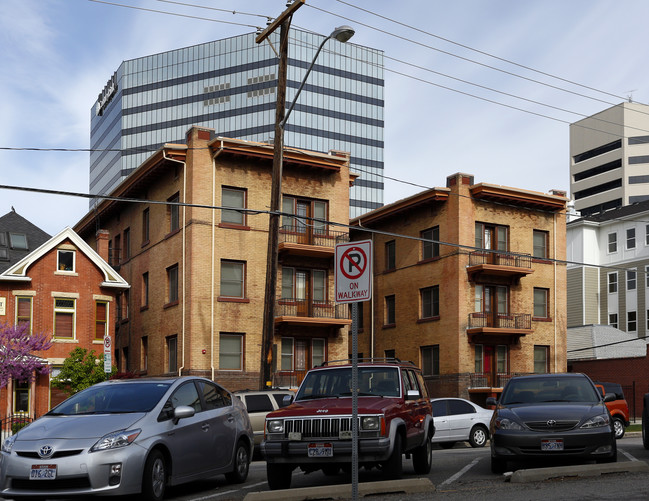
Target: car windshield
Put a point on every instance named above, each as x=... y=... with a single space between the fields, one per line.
x=548 y=389
x=113 y=398
x=372 y=381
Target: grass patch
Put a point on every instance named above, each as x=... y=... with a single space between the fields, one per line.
x=634 y=427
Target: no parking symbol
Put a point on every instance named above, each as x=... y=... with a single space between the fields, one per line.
x=353 y=271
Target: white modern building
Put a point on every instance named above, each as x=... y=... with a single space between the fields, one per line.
x=609 y=158
x=230 y=85
x=608 y=269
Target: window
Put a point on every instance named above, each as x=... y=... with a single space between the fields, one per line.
x=630 y=238
x=287 y=354
x=101 y=319
x=490 y=236
x=172 y=354
x=541 y=359
x=122 y=306
x=390 y=257
x=145 y=290
x=631 y=321
x=127 y=243
x=145 y=226
x=21 y=397
x=630 y=280
x=540 y=243
x=646 y=234
x=540 y=303
x=318 y=355
x=18 y=241
x=612 y=283
x=389 y=310
x=304 y=209
x=144 y=353
x=612 y=319
x=430 y=248
x=430 y=360
x=24 y=311
x=116 y=257
x=429 y=302
x=4 y=251
x=612 y=242
x=65 y=260
x=233 y=197
x=214 y=396
x=172 y=284
x=390 y=354
x=479 y=361
x=64 y=318
x=231 y=352
x=232 y=279
x=646 y=275
x=174 y=213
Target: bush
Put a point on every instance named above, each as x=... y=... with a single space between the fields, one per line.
x=16 y=426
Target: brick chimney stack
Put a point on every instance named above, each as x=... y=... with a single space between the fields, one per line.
x=102 y=244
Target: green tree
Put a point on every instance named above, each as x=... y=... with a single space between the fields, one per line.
x=80 y=370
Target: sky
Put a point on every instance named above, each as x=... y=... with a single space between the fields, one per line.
x=486 y=88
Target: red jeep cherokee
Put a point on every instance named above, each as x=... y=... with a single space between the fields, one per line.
x=315 y=431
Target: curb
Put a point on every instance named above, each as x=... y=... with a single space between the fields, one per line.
x=583 y=470
x=344 y=491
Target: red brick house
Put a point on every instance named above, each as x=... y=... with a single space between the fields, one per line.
x=64 y=288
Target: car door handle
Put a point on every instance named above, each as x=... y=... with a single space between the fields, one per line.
x=230 y=418
x=205 y=427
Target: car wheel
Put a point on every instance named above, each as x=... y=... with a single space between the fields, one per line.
x=331 y=470
x=279 y=476
x=478 y=436
x=498 y=465
x=618 y=426
x=446 y=445
x=393 y=467
x=241 y=465
x=422 y=457
x=154 y=479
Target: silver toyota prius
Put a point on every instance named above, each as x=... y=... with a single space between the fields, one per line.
x=130 y=436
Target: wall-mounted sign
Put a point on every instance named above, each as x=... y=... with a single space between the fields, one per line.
x=106 y=95
x=3 y=306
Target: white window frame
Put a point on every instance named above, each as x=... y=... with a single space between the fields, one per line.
x=609 y=243
x=60 y=309
x=58 y=261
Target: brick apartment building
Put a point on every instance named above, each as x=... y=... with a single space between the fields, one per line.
x=61 y=287
x=475 y=291
x=198 y=273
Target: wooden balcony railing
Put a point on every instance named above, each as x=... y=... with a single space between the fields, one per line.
x=309 y=308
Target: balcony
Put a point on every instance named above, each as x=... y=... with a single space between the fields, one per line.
x=309 y=241
x=480 y=380
x=513 y=325
x=502 y=264
x=307 y=312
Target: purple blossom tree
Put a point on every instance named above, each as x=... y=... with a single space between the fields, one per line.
x=17 y=358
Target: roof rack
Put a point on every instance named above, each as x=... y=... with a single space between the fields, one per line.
x=388 y=360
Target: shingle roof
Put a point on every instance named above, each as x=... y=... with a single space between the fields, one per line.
x=601 y=342
x=12 y=222
x=620 y=212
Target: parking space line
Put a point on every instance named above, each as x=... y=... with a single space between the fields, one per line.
x=219 y=494
x=460 y=473
x=628 y=456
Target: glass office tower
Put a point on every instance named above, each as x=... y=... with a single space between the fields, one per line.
x=230 y=85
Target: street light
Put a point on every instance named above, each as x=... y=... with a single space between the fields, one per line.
x=342 y=34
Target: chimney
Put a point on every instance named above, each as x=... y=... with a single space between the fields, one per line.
x=102 y=244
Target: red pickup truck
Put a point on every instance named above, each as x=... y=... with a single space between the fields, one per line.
x=618 y=408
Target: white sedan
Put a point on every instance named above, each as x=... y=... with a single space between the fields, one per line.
x=457 y=419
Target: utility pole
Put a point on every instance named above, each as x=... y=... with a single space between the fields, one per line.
x=268 y=330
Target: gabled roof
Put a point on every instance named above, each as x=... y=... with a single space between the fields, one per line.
x=596 y=342
x=12 y=222
x=18 y=272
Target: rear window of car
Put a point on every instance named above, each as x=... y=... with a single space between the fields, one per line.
x=258 y=403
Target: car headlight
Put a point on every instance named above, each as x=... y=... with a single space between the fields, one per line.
x=507 y=424
x=370 y=423
x=8 y=444
x=596 y=422
x=275 y=426
x=115 y=440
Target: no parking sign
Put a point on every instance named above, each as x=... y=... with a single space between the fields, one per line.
x=353 y=271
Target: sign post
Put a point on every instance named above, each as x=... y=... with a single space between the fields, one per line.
x=354 y=284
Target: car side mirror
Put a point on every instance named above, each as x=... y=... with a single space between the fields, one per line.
x=609 y=397
x=491 y=401
x=287 y=400
x=413 y=395
x=182 y=412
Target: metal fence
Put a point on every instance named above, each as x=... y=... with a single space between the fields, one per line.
x=11 y=424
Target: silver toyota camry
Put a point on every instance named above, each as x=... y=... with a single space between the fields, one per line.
x=130 y=436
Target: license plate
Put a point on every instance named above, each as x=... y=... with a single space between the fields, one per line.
x=320 y=450
x=43 y=472
x=552 y=444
